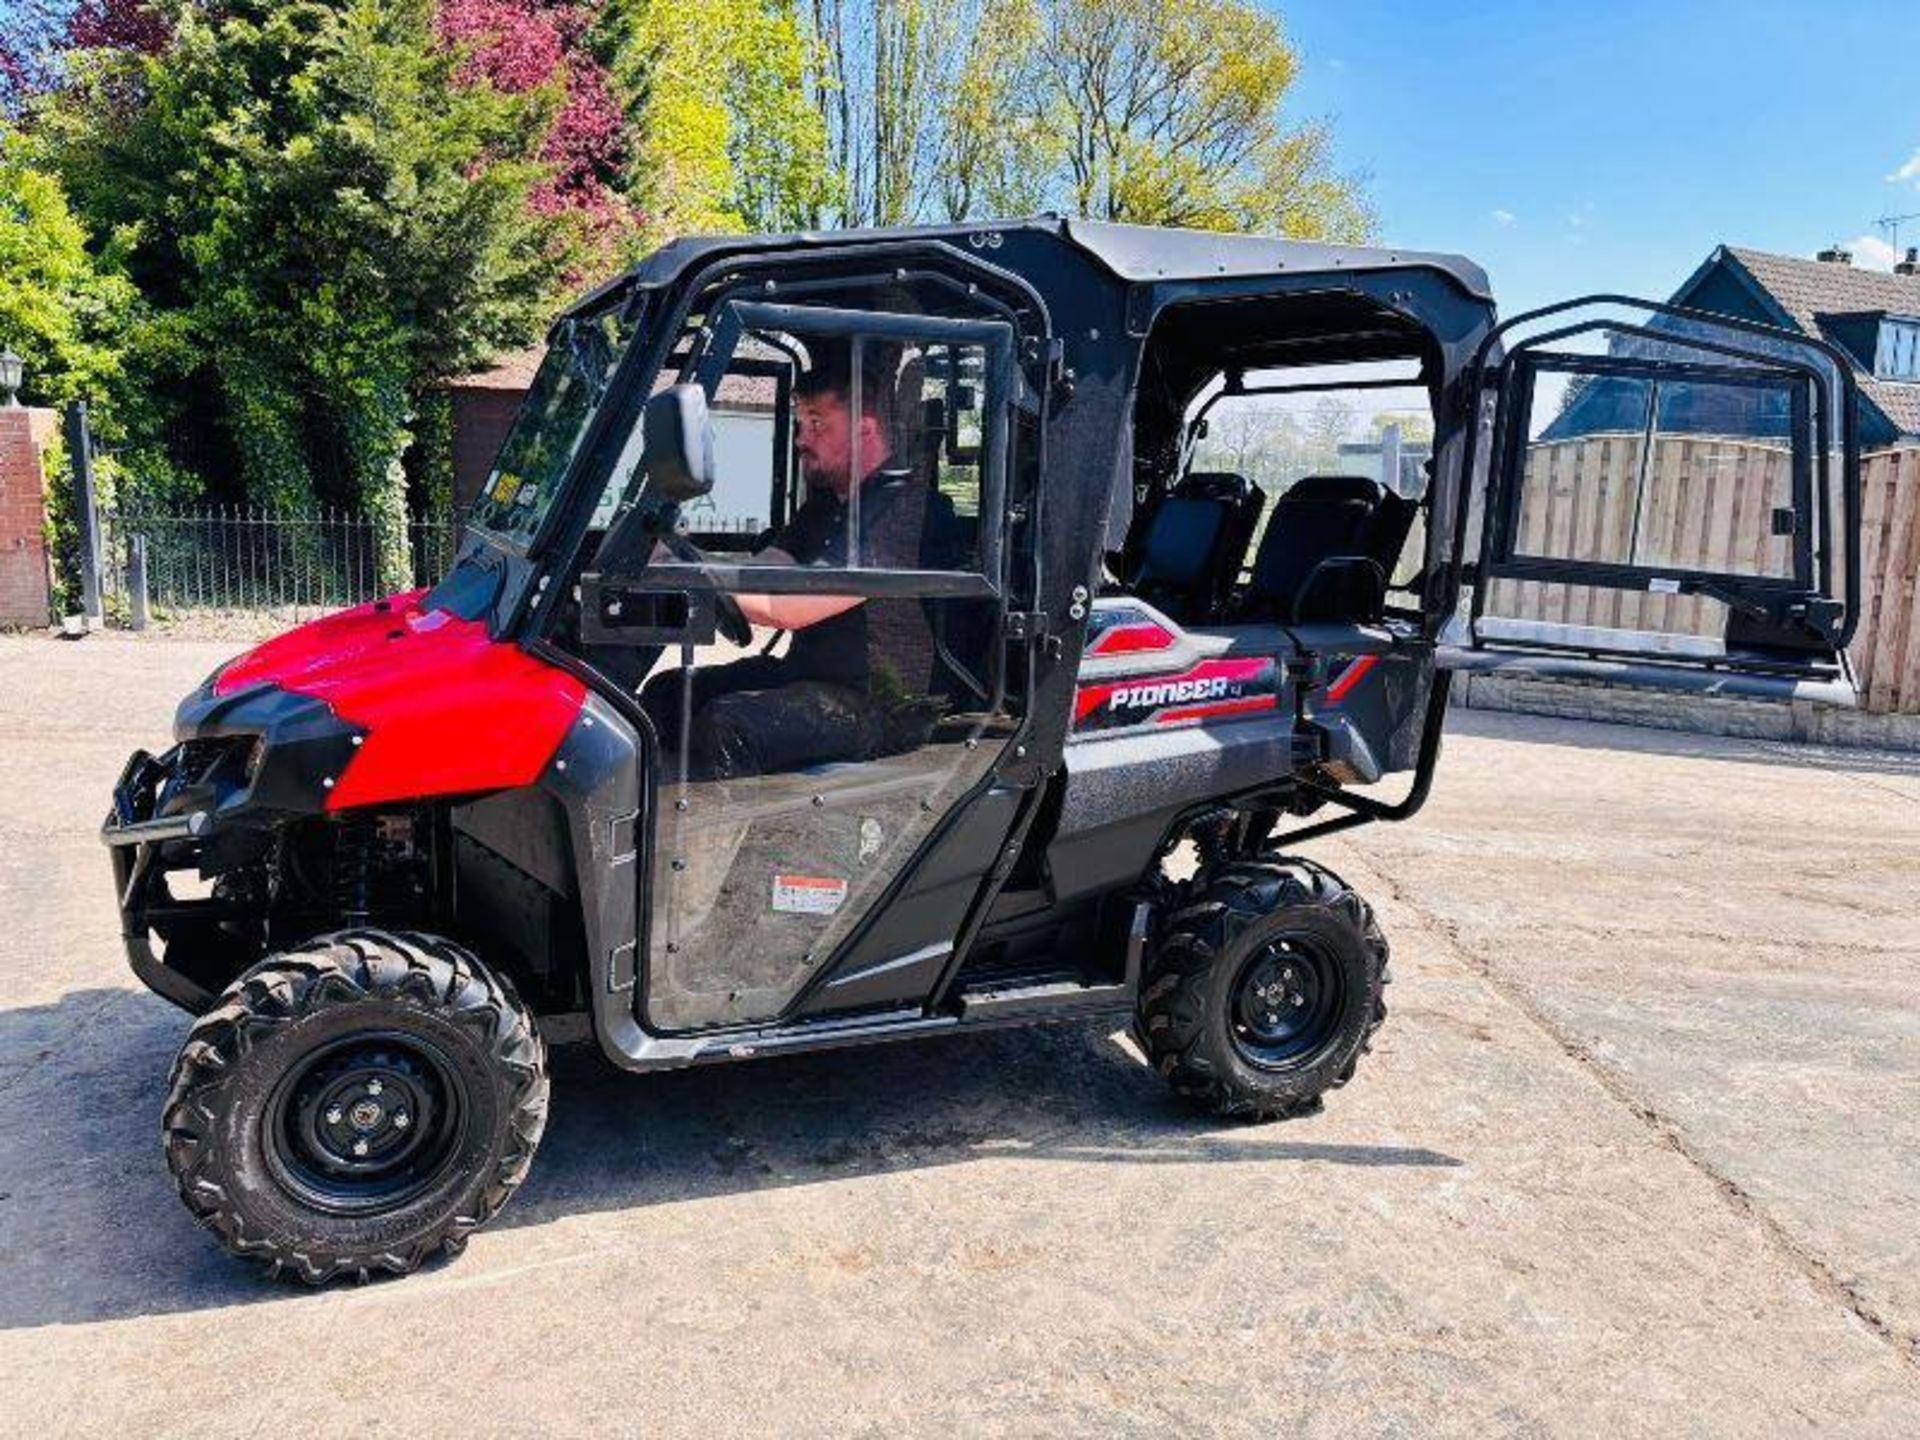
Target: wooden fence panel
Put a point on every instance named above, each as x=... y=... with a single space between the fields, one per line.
x=1709 y=504
x=1886 y=650
x=1620 y=609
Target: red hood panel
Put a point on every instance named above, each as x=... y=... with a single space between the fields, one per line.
x=446 y=709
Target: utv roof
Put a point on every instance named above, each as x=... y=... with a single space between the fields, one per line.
x=1131 y=252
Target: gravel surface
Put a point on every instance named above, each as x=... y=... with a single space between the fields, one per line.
x=1637 y=1153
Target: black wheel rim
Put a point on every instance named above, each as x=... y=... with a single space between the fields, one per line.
x=366 y=1123
x=1286 y=1005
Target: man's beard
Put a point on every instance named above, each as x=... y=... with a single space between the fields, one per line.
x=820 y=479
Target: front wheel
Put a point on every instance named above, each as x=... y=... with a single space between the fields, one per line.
x=356 y=1105
x=1265 y=989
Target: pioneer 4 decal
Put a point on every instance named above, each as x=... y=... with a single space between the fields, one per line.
x=1167 y=692
x=1213 y=690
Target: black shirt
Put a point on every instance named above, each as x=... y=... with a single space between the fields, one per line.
x=882 y=647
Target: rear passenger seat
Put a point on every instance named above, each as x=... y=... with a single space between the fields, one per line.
x=1328 y=552
x=1190 y=557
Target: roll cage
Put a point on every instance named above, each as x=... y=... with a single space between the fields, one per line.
x=1084 y=301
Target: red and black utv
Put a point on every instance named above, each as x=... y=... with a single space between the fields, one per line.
x=866 y=636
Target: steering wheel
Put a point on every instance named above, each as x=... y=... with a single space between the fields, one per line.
x=729 y=619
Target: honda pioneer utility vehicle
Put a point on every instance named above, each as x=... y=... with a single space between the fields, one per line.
x=874 y=635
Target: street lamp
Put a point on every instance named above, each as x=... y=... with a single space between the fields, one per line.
x=12 y=371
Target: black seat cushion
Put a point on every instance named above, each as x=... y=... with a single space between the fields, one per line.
x=1190 y=555
x=1321 y=519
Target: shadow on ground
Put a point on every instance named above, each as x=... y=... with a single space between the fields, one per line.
x=90 y=1228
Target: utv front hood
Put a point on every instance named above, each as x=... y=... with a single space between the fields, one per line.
x=436 y=706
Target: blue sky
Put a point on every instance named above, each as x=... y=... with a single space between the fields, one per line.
x=1611 y=145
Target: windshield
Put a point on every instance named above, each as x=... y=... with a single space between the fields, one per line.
x=581 y=357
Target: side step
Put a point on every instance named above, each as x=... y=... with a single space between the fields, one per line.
x=1062 y=997
x=1053 y=997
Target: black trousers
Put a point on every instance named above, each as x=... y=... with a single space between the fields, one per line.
x=752 y=717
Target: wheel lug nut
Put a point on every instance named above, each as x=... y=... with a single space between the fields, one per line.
x=334 y=1116
x=1299 y=1000
x=359 y=1147
x=401 y=1120
x=374 y=1087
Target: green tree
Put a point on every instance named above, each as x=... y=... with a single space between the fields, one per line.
x=1329 y=425
x=889 y=85
x=998 y=156
x=1416 y=426
x=63 y=309
x=327 y=217
x=724 y=134
x=1171 y=115
x=66 y=312
x=1129 y=110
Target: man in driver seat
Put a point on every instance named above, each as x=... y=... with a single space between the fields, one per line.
x=856 y=675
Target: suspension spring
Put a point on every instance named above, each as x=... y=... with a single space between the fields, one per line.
x=1213 y=838
x=352 y=869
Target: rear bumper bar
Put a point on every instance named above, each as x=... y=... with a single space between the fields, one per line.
x=1837 y=691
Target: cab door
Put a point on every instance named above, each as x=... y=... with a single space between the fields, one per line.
x=1666 y=488
x=776 y=850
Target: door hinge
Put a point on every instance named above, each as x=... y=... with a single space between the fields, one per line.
x=1026 y=624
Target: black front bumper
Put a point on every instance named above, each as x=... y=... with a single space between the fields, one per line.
x=246 y=765
x=145 y=837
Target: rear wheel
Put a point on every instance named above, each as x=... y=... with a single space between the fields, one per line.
x=356 y=1105
x=1265 y=989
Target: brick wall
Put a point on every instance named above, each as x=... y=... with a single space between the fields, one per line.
x=25 y=594
x=481 y=420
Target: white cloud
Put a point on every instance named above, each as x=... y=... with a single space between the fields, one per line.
x=1908 y=171
x=1870 y=252
x=1503 y=217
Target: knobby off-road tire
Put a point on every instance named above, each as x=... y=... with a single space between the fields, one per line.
x=356 y=1105
x=1264 y=990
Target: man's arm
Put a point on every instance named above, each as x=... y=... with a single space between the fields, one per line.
x=793 y=612
x=790 y=612
x=780 y=612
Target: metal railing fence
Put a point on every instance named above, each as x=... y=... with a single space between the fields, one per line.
x=249 y=558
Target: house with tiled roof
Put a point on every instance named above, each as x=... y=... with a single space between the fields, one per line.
x=1872 y=315
x=485 y=403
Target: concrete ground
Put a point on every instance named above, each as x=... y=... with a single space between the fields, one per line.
x=1638 y=1152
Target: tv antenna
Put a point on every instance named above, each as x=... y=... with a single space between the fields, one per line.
x=1890 y=227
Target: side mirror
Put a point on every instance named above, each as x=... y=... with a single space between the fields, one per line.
x=678 y=436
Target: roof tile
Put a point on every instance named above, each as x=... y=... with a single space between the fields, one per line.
x=1810 y=289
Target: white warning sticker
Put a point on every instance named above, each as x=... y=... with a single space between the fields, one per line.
x=1661 y=585
x=808 y=894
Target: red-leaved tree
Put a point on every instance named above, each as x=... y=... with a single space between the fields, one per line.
x=520 y=45
x=119 y=25
x=39 y=32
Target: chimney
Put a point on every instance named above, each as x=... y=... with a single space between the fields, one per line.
x=1910 y=265
x=1834 y=255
